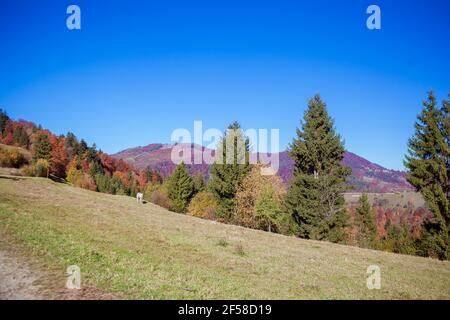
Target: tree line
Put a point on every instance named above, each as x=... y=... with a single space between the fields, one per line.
x=311 y=207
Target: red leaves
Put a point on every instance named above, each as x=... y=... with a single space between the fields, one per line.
x=59 y=156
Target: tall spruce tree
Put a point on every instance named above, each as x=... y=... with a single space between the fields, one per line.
x=181 y=188
x=231 y=167
x=428 y=170
x=365 y=222
x=315 y=195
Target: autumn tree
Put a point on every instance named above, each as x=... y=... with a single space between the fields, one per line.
x=365 y=223
x=428 y=170
x=315 y=195
x=259 y=201
x=181 y=188
x=203 y=205
x=230 y=168
x=59 y=156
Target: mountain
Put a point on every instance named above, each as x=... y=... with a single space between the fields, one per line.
x=366 y=176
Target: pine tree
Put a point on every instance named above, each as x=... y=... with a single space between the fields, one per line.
x=82 y=148
x=365 y=222
x=72 y=145
x=4 y=119
x=181 y=188
x=229 y=170
x=21 y=137
x=199 y=183
x=42 y=148
x=315 y=195
x=428 y=170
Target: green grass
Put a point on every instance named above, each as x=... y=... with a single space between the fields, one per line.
x=146 y=252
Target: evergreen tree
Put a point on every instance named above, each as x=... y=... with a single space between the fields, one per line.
x=42 y=148
x=181 y=188
x=315 y=195
x=428 y=170
x=199 y=183
x=268 y=210
x=367 y=230
x=72 y=145
x=21 y=137
x=230 y=169
x=4 y=119
x=82 y=148
x=446 y=130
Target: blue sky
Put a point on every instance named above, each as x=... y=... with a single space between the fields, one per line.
x=137 y=70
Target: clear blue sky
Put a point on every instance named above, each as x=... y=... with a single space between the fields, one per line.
x=137 y=70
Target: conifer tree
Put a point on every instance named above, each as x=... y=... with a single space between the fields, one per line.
x=428 y=168
x=365 y=222
x=315 y=195
x=42 y=148
x=21 y=137
x=446 y=130
x=72 y=145
x=4 y=119
x=181 y=189
x=230 y=169
x=199 y=183
x=267 y=209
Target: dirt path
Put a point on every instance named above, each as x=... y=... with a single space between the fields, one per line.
x=22 y=278
x=18 y=279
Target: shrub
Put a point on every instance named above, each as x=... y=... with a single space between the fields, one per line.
x=12 y=158
x=203 y=205
x=223 y=243
x=239 y=250
x=160 y=197
x=151 y=187
x=28 y=170
x=103 y=183
x=117 y=186
x=80 y=179
x=41 y=168
x=75 y=176
x=88 y=183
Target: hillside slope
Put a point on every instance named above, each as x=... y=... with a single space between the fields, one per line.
x=144 y=251
x=366 y=176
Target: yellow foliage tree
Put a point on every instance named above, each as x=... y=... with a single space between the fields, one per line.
x=203 y=205
x=253 y=189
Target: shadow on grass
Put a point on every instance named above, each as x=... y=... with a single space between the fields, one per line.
x=14 y=178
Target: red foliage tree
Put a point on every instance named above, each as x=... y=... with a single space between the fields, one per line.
x=59 y=156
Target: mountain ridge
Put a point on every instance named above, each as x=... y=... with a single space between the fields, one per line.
x=366 y=175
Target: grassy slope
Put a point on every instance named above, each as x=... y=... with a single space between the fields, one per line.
x=145 y=251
